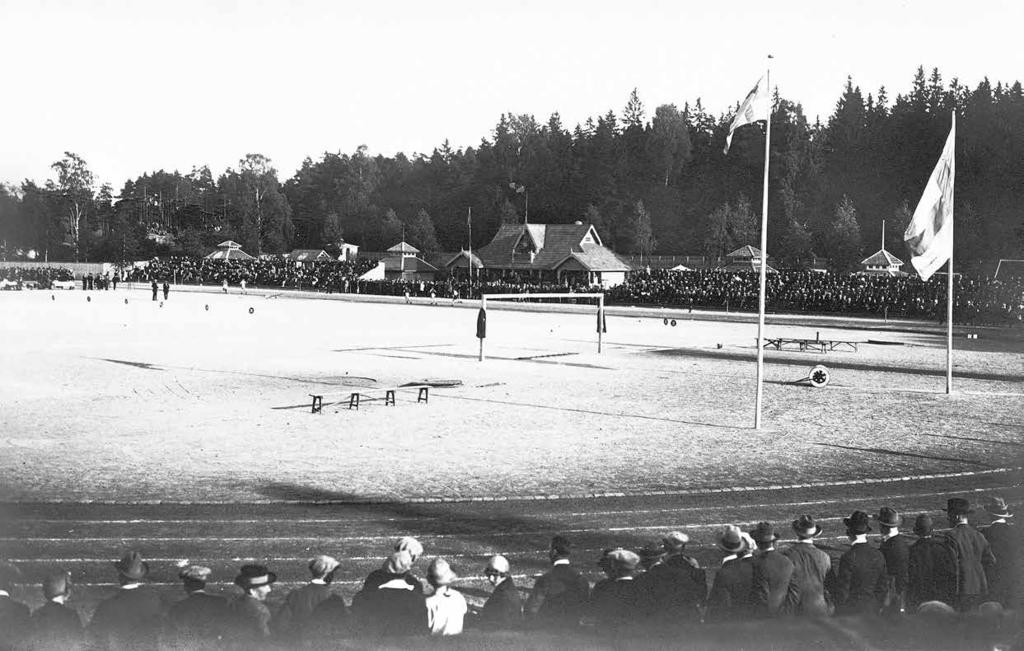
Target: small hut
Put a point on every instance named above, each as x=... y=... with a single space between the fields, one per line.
x=229 y=250
x=745 y=258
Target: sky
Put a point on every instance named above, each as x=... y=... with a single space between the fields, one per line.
x=135 y=87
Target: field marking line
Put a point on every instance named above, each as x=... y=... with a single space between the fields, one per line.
x=533 y=498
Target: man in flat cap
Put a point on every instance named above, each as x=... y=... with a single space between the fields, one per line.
x=132 y=618
x=1003 y=578
x=14 y=615
x=861 y=581
x=559 y=597
x=931 y=567
x=774 y=590
x=973 y=555
x=731 y=591
x=667 y=594
x=252 y=617
x=293 y=619
x=895 y=547
x=504 y=608
x=199 y=617
x=613 y=603
x=810 y=568
x=54 y=624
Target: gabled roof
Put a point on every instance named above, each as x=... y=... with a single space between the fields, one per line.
x=474 y=259
x=403 y=247
x=745 y=252
x=229 y=253
x=553 y=242
x=303 y=255
x=229 y=244
x=882 y=259
x=400 y=263
x=597 y=258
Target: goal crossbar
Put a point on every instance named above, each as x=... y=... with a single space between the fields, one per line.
x=482 y=317
x=500 y=297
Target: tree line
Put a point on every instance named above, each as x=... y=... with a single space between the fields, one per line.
x=652 y=182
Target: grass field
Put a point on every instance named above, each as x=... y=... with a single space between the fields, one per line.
x=118 y=419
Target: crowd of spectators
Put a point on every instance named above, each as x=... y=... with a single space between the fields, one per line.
x=277 y=272
x=658 y=587
x=42 y=276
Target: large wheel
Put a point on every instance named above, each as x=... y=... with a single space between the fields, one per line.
x=818 y=377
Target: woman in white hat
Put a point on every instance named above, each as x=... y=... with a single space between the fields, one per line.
x=446 y=608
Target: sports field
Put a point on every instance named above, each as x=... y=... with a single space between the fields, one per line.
x=117 y=418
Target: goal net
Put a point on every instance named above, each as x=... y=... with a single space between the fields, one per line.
x=537 y=325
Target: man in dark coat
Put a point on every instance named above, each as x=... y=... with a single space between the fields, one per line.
x=667 y=593
x=293 y=619
x=810 y=569
x=132 y=618
x=614 y=603
x=504 y=608
x=729 y=598
x=251 y=615
x=54 y=624
x=931 y=567
x=895 y=547
x=153 y=286
x=394 y=608
x=166 y=288
x=774 y=590
x=675 y=546
x=973 y=555
x=861 y=580
x=15 y=620
x=381 y=576
x=199 y=618
x=1004 y=577
x=560 y=596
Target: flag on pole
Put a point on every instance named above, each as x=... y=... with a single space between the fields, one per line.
x=753 y=108
x=929 y=236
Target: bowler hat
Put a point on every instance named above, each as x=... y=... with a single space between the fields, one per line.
x=923 y=525
x=764 y=533
x=731 y=539
x=196 y=573
x=805 y=527
x=254 y=576
x=56 y=584
x=131 y=566
x=997 y=507
x=888 y=517
x=958 y=506
x=857 y=523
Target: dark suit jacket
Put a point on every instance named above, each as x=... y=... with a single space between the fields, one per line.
x=391 y=611
x=15 y=620
x=896 y=551
x=131 y=619
x=861 y=581
x=251 y=618
x=295 y=613
x=931 y=574
x=669 y=592
x=55 y=626
x=729 y=598
x=504 y=608
x=200 y=617
x=774 y=590
x=1004 y=577
x=973 y=555
x=810 y=570
x=614 y=603
x=559 y=598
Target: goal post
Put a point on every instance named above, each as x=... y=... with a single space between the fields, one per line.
x=481 y=322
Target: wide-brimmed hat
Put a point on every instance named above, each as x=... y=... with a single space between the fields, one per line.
x=888 y=517
x=923 y=525
x=196 y=573
x=322 y=565
x=131 y=566
x=56 y=584
x=731 y=539
x=857 y=523
x=997 y=507
x=439 y=572
x=652 y=551
x=958 y=506
x=254 y=576
x=805 y=527
x=763 y=533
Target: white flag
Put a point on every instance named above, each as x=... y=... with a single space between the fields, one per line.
x=753 y=108
x=929 y=236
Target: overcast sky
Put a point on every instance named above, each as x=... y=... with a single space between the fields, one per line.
x=140 y=86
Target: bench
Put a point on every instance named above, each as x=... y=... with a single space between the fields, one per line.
x=358 y=397
x=821 y=345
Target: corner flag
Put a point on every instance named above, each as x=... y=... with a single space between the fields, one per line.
x=929 y=236
x=753 y=108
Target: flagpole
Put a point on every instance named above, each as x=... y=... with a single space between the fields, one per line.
x=469 y=222
x=764 y=253
x=949 y=280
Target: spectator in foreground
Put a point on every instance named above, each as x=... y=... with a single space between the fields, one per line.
x=896 y=550
x=393 y=608
x=251 y=613
x=810 y=569
x=381 y=575
x=14 y=615
x=292 y=620
x=446 y=608
x=199 y=617
x=973 y=555
x=775 y=589
x=667 y=594
x=614 y=603
x=931 y=569
x=1003 y=578
x=560 y=596
x=132 y=618
x=54 y=624
x=861 y=581
x=504 y=608
x=730 y=594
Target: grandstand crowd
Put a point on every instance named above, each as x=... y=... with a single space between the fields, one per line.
x=982 y=301
x=947 y=574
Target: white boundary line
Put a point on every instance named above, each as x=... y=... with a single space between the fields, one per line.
x=533 y=498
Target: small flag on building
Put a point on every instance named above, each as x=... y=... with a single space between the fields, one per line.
x=929 y=236
x=753 y=108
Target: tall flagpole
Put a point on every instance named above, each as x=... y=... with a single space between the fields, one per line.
x=764 y=251
x=949 y=280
